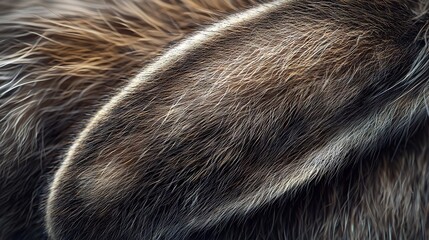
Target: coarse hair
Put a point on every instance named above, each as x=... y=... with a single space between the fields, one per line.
x=185 y=119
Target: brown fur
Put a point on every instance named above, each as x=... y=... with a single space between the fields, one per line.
x=59 y=62
x=297 y=124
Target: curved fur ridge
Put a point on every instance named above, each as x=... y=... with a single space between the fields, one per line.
x=59 y=61
x=213 y=129
x=291 y=120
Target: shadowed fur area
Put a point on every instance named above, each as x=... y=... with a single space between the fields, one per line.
x=214 y=119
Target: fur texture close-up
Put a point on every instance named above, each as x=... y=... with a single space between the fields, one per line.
x=214 y=119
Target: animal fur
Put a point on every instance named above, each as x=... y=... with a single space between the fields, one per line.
x=288 y=120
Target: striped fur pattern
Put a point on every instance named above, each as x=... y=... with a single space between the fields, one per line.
x=290 y=119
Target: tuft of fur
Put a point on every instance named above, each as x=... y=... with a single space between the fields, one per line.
x=292 y=119
x=59 y=62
